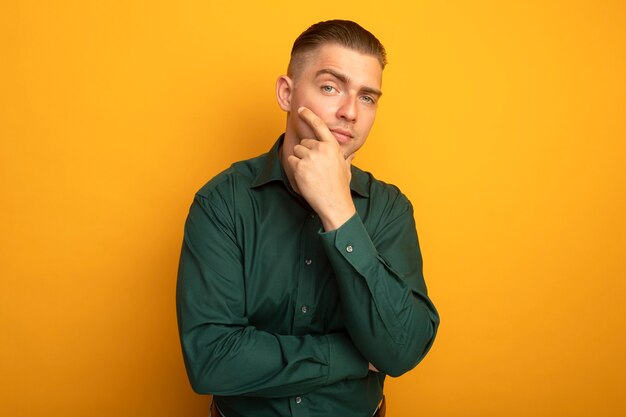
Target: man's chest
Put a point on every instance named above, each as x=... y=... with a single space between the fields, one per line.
x=289 y=284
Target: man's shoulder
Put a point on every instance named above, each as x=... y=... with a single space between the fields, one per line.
x=239 y=176
x=378 y=190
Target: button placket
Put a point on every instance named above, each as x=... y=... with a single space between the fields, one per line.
x=304 y=302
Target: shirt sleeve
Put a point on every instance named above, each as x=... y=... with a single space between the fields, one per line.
x=384 y=299
x=224 y=354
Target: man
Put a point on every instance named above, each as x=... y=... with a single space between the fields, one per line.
x=300 y=283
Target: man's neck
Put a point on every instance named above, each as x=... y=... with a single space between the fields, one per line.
x=283 y=156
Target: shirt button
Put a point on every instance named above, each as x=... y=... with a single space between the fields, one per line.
x=308 y=262
x=298 y=400
x=349 y=249
x=304 y=309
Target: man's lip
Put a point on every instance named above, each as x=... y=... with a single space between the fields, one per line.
x=342 y=132
x=341 y=135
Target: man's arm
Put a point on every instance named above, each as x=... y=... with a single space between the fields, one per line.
x=383 y=296
x=223 y=354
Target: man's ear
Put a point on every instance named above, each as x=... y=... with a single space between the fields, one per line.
x=284 y=89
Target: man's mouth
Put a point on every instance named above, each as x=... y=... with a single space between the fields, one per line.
x=342 y=135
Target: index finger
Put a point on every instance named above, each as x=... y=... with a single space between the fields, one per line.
x=319 y=127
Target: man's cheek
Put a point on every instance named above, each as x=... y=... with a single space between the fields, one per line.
x=305 y=131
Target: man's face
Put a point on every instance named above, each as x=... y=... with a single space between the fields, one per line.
x=342 y=87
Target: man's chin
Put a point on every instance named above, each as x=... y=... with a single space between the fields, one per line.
x=347 y=152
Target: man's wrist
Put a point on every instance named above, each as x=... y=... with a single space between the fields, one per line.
x=336 y=219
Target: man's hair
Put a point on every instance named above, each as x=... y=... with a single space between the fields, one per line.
x=341 y=32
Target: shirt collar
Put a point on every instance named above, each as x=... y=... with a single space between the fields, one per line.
x=272 y=170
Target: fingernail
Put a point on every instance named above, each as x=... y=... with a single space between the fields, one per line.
x=300 y=109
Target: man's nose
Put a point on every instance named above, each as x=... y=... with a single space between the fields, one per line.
x=348 y=109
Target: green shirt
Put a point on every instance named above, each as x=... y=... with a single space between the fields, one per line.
x=278 y=317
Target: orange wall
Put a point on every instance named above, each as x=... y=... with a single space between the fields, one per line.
x=504 y=123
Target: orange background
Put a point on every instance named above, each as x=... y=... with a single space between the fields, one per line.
x=503 y=122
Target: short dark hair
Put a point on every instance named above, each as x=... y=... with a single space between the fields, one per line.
x=345 y=33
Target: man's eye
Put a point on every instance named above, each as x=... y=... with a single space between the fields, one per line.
x=328 y=88
x=368 y=99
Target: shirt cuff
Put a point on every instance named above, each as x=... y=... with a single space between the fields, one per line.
x=352 y=243
x=346 y=362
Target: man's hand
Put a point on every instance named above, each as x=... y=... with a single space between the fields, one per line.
x=322 y=173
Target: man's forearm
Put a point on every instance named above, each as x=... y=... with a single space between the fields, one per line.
x=226 y=360
x=388 y=313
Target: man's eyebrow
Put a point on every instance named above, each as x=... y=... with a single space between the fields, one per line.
x=372 y=91
x=341 y=77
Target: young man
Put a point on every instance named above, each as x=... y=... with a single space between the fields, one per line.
x=300 y=283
